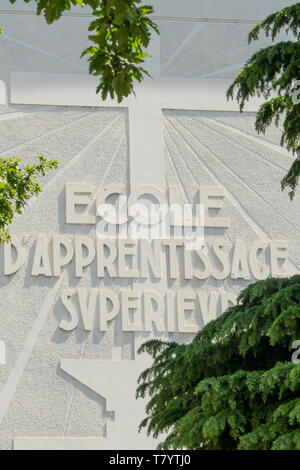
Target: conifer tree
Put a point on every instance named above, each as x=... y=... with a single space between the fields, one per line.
x=236 y=385
x=274 y=73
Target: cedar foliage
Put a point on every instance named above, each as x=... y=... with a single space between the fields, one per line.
x=235 y=386
x=274 y=73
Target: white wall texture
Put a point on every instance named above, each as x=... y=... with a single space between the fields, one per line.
x=38 y=399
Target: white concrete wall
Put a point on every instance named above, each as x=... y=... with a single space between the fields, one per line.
x=203 y=146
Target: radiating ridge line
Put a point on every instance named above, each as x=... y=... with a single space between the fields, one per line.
x=236 y=65
x=239 y=178
x=103 y=179
x=12 y=115
x=74 y=389
x=16 y=374
x=239 y=49
x=154 y=17
x=191 y=53
x=22 y=114
x=74 y=159
x=232 y=52
x=174 y=166
x=185 y=196
x=109 y=166
x=42 y=51
x=188 y=167
x=259 y=230
x=81 y=152
x=242 y=210
x=187 y=39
